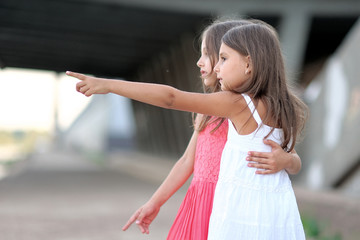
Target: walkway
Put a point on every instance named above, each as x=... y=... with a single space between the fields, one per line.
x=62 y=196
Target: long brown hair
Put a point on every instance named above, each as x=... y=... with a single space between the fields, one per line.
x=268 y=81
x=212 y=35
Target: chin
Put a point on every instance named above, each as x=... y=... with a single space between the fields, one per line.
x=209 y=82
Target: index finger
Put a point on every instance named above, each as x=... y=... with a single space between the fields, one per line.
x=76 y=75
x=131 y=221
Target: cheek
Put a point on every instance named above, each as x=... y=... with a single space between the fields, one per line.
x=208 y=65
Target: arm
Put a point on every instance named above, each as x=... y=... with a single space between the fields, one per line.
x=219 y=104
x=275 y=160
x=176 y=178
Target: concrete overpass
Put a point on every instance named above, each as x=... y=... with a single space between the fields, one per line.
x=153 y=41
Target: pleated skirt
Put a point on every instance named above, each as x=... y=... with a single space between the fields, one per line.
x=192 y=220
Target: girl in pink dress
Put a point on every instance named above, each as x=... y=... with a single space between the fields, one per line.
x=192 y=220
x=202 y=156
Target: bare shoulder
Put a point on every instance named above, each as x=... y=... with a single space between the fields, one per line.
x=239 y=103
x=231 y=97
x=262 y=110
x=242 y=118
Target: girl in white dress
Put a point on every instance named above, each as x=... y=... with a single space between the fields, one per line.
x=258 y=103
x=247 y=205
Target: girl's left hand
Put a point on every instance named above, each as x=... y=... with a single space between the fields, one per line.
x=269 y=162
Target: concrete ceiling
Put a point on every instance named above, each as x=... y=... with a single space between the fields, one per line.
x=114 y=37
x=87 y=36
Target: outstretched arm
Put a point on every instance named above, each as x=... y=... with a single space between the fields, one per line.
x=220 y=104
x=274 y=161
x=176 y=178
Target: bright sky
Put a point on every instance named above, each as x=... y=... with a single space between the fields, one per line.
x=27 y=99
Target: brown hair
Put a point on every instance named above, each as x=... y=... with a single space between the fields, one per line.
x=268 y=79
x=212 y=35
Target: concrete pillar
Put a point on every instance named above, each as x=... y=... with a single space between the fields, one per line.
x=167 y=132
x=294 y=31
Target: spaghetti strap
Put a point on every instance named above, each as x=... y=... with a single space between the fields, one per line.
x=252 y=109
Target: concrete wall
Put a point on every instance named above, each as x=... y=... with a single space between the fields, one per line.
x=107 y=120
x=162 y=131
x=331 y=148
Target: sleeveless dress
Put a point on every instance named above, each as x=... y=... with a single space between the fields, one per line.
x=248 y=205
x=192 y=220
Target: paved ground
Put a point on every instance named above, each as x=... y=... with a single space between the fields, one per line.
x=62 y=196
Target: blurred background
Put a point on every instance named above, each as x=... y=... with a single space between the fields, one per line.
x=73 y=167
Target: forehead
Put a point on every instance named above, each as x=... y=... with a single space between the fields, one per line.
x=224 y=48
x=203 y=43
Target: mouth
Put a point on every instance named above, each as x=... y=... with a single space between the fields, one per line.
x=203 y=73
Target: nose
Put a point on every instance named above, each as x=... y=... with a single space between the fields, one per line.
x=199 y=63
x=216 y=68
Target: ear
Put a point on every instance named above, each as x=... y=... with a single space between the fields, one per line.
x=248 y=68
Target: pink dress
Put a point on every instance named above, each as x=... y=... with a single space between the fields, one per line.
x=192 y=220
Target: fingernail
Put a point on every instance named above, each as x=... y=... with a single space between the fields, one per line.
x=137 y=222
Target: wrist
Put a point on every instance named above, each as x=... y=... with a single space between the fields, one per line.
x=290 y=165
x=108 y=85
x=155 y=203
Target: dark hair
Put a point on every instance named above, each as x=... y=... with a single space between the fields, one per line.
x=213 y=35
x=268 y=79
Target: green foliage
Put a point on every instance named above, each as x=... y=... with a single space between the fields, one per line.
x=314 y=231
x=311 y=227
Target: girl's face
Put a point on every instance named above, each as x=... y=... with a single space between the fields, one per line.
x=206 y=69
x=232 y=69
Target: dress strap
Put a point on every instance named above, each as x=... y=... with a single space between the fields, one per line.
x=252 y=109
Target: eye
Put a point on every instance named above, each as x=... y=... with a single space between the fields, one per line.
x=223 y=59
x=204 y=51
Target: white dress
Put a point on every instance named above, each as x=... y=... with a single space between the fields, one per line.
x=250 y=206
